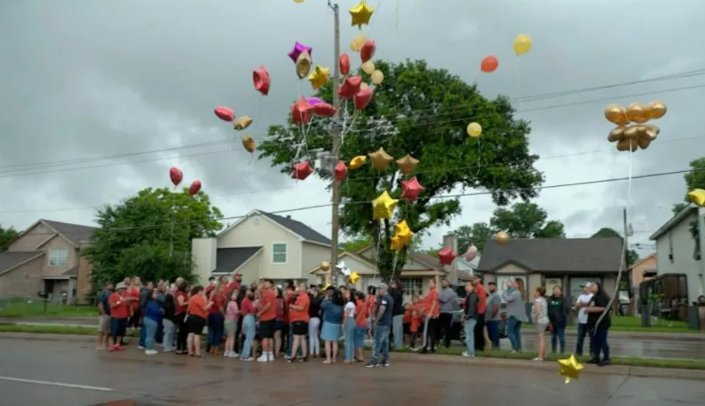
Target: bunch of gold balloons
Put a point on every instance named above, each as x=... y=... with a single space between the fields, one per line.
x=633 y=132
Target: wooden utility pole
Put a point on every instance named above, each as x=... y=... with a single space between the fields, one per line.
x=335 y=152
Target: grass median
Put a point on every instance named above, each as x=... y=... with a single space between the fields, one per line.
x=453 y=350
x=39 y=309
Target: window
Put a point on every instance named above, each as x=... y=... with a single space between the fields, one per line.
x=58 y=257
x=279 y=253
x=412 y=286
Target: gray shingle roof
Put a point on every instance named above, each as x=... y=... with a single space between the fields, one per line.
x=299 y=228
x=10 y=259
x=229 y=259
x=571 y=255
x=73 y=232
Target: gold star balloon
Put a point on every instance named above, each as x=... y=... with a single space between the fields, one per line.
x=242 y=122
x=357 y=162
x=404 y=233
x=361 y=14
x=407 y=164
x=319 y=77
x=697 y=196
x=383 y=206
x=354 y=276
x=570 y=368
x=395 y=244
x=380 y=159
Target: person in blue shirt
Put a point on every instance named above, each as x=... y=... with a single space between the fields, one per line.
x=332 y=307
x=382 y=323
x=152 y=319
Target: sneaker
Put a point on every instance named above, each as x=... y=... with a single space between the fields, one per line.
x=537 y=359
x=100 y=348
x=247 y=359
x=233 y=355
x=465 y=354
x=270 y=358
x=372 y=364
x=139 y=347
x=226 y=354
x=386 y=363
x=263 y=358
x=112 y=348
x=120 y=348
x=150 y=352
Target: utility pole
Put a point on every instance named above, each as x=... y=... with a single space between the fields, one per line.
x=335 y=153
x=625 y=258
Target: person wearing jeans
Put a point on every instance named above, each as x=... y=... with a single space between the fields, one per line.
x=247 y=309
x=515 y=297
x=581 y=304
x=397 y=295
x=152 y=317
x=168 y=323
x=558 y=314
x=470 y=315
x=382 y=321
x=349 y=326
x=448 y=301
x=599 y=322
x=492 y=315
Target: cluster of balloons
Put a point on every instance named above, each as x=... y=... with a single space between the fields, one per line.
x=350 y=276
x=177 y=176
x=630 y=136
x=522 y=45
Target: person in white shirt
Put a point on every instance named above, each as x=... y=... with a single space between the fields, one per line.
x=581 y=304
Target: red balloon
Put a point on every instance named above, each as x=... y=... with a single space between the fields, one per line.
x=176 y=175
x=302 y=170
x=195 y=187
x=344 y=64
x=341 y=171
x=411 y=189
x=323 y=110
x=489 y=64
x=262 y=80
x=350 y=87
x=301 y=112
x=225 y=113
x=363 y=98
x=368 y=50
x=446 y=256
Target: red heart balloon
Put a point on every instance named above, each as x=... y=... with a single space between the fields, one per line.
x=176 y=175
x=195 y=187
x=225 y=113
x=323 y=110
x=344 y=64
x=368 y=50
x=363 y=98
x=350 y=87
x=262 y=80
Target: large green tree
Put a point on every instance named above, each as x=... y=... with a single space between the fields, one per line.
x=423 y=112
x=6 y=235
x=605 y=232
x=475 y=234
x=526 y=220
x=136 y=236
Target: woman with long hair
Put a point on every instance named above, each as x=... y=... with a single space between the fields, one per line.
x=349 y=325
x=180 y=317
x=558 y=313
x=150 y=322
x=515 y=297
x=197 y=315
x=247 y=309
x=216 y=318
x=232 y=312
x=539 y=316
x=168 y=320
x=314 y=324
x=599 y=304
x=332 y=320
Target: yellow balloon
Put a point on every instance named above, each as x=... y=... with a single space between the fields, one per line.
x=248 y=143
x=299 y=1
x=357 y=42
x=358 y=161
x=656 y=109
x=354 y=276
x=380 y=159
x=377 y=77
x=325 y=266
x=522 y=44
x=696 y=196
x=502 y=238
x=368 y=67
x=364 y=85
x=383 y=206
x=636 y=112
x=474 y=130
x=242 y=122
x=319 y=77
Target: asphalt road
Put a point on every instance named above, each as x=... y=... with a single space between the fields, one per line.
x=74 y=374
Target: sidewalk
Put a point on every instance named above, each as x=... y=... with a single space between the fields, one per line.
x=133 y=355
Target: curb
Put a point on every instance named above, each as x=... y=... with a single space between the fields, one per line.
x=649 y=372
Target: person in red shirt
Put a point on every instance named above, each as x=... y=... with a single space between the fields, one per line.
x=415 y=319
x=267 y=317
x=361 y=315
x=247 y=309
x=237 y=281
x=371 y=303
x=180 y=317
x=134 y=292
x=480 y=333
x=299 y=318
x=216 y=319
x=198 y=309
x=431 y=309
x=211 y=285
x=119 y=304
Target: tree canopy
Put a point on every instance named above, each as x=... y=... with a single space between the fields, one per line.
x=135 y=236
x=476 y=234
x=423 y=112
x=605 y=232
x=6 y=235
x=526 y=220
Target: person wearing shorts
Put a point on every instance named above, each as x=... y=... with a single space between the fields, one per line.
x=267 y=318
x=299 y=318
x=119 y=313
x=104 y=319
x=196 y=320
x=539 y=317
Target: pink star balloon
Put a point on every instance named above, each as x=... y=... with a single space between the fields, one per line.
x=411 y=189
x=298 y=49
x=302 y=170
x=446 y=256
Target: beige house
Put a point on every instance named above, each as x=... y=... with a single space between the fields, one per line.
x=643 y=270
x=261 y=245
x=547 y=262
x=46 y=257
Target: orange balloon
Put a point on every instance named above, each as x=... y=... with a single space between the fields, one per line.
x=489 y=64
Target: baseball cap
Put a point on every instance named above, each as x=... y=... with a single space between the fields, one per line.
x=120 y=285
x=382 y=286
x=586 y=285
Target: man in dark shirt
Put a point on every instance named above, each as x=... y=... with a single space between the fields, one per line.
x=397 y=295
x=599 y=304
x=382 y=322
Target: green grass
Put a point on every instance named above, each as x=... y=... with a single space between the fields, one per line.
x=68 y=330
x=631 y=323
x=25 y=309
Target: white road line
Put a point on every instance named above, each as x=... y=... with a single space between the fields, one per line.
x=60 y=384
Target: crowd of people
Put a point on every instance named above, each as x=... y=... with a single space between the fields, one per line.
x=262 y=322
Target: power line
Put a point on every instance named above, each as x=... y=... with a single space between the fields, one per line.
x=449 y=196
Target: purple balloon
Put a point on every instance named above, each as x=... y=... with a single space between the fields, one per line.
x=314 y=100
x=298 y=49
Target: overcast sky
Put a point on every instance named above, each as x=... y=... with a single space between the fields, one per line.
x=81 y=81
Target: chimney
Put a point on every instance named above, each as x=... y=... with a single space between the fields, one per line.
x=288 y=216
x=450 y=240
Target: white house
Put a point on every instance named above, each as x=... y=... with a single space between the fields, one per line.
x=678 y=252
x=261 y=245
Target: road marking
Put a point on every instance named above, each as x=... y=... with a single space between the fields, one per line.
x=60 y=384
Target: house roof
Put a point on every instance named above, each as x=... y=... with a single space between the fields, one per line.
x=555 y=254
x=674 y=221
x=75 y=233
x=642 y=260
x=229 y=259
x=299 y=228
x=423 y=259
x=11 y=259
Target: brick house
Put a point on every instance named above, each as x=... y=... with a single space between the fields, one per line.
x=46 y=257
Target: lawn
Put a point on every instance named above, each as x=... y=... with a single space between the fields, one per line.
x=37 y=308
x=631 y=323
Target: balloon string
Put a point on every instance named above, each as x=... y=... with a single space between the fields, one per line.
x=379 y=245
x=351 y=125
x=397 y=15
x=518 y=82
x=479 y=157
